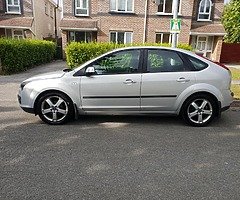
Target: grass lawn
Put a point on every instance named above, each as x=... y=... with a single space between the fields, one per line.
x=235 y=87
x=236 y=90
x=235 y=73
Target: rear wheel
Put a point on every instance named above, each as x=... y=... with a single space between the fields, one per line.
x=199 y=110
x=55 y=108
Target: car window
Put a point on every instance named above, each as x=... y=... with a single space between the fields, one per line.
x=122 y=62
x=164 y=61
x=197 y=64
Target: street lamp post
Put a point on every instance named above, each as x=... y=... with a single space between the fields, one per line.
x=175 y=15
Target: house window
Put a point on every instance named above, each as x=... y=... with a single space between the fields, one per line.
x=121 y=5
x=166 y=6
x=163 y=38
x=18 y=34
x=46 y=8
x=205 y=7
x=13 y=6
x=121 y=37
x=81 y=8
x=51 y=11
x=80 y=36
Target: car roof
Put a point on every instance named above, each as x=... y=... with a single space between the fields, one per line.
x=154 y=47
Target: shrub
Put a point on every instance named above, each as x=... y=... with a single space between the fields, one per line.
x=19 y=55
x=78 y=53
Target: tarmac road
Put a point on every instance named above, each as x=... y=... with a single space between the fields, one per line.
x=114 y=157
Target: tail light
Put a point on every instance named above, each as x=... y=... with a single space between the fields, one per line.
x=222 y=65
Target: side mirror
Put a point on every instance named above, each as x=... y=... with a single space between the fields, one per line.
x=90 y=71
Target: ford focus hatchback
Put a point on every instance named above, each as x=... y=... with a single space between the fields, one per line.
x=133 y=80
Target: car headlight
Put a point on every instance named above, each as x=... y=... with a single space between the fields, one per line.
x=23 y=84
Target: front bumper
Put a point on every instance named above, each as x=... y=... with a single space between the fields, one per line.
x=29 y=110
x=26 y=109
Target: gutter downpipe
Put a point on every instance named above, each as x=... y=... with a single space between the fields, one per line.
x=55 y=20
x=34 y=19
x=145 y=22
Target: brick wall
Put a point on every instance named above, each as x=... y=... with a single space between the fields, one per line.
x=230 y=53
x=27 y=8
x=107 y=21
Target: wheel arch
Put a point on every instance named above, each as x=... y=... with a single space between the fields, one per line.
x=209 y=94
x=45 y=92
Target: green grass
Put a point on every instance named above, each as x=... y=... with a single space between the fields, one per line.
x=236 y=90
x=235 y=73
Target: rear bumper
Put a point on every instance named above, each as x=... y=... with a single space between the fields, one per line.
x=225 y=108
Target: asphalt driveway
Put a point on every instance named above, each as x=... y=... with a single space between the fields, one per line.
x=114 y=157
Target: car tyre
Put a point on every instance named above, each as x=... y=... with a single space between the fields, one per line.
x=199 y=110
x=55 y=108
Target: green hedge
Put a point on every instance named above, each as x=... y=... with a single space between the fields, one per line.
x=78 y=53
x=19 y=55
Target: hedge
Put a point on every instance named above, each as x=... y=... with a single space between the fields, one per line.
x=78 y=53
x=19 y=55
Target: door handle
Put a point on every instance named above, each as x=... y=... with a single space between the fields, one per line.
x=129 y=81
x=182 y=80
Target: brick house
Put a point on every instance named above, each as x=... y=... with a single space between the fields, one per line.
x=28 y=18
x=138 y=21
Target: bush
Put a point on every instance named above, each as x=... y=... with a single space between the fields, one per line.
x=78 y=53
x=19 y=55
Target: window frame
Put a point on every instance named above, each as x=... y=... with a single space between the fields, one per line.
x=51 y=11
x=85 y=36
x=18 y=35
x=125 y=39
x=46 y=7
x=164 y=6
x=116 y=7
x=81 y=72
x=204 y=12
x=182 y=56
x=81 y=4
x=188 y=57
x=161 y=37
x=12 y=5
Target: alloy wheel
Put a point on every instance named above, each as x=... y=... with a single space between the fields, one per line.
x=54 y=108
x=199 y=111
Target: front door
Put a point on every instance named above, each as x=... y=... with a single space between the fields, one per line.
x=166 y=79
x=115 y=86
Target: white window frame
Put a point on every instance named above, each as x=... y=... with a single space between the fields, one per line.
x=170 y=37
x=161 y=36
x=204 y=12
x=125 y=34
x=85 y=35
x=81 y=7
x=164 y=6
x=13 y=5
x=17 y=35
x=125 y=11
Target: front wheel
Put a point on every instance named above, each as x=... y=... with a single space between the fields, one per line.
x=199 y=110
x=55 y=108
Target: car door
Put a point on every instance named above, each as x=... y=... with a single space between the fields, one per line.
x=115 y=86
x=167 y=76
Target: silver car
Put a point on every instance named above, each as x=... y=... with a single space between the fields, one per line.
x=133 y=80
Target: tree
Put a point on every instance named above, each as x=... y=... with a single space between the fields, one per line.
x=231 y=21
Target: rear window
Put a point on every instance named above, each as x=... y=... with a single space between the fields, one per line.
x=197 y=64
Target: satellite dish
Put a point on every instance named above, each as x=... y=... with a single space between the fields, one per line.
x=157 y=2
